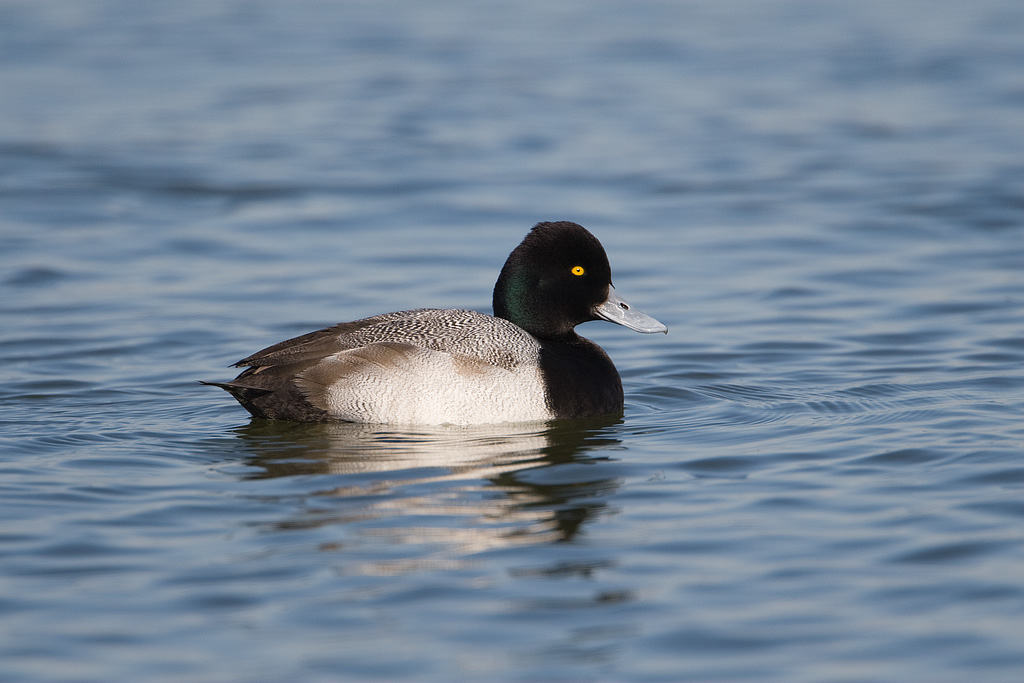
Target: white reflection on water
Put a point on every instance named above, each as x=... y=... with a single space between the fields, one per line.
x=435 y=495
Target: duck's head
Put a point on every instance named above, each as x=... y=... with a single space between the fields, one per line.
x=559 y=277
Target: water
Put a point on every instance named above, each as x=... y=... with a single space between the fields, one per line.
x=819 y=474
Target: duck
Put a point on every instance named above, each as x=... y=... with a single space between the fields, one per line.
x=434 y=366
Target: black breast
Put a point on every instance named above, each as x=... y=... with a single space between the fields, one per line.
x=580 y=379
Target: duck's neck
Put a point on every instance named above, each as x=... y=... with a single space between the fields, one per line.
x=516 y=300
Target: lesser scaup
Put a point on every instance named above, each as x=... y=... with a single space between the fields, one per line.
x=438 y=366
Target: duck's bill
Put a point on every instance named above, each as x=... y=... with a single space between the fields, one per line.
x=615 y=310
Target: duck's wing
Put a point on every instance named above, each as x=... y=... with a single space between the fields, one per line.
x=299 y=390
x=449 y=330
x=290 y=380
x=314 y=345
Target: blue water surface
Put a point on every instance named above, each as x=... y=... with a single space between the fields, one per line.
x=819 y=475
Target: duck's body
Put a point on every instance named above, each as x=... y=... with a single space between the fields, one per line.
x=437 y=366
x=479 y=369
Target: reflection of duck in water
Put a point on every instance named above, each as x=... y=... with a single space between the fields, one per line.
x=438 y=366
x=445 y=491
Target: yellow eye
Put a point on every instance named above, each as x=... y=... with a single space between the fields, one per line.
x=578 y=270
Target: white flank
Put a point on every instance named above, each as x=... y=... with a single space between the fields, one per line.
x=434 y=387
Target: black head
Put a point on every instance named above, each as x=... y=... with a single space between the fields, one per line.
x=553 y=280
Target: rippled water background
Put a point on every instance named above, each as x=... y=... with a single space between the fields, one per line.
x=820 y=473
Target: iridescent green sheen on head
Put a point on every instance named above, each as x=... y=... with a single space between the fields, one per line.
x=553 y=280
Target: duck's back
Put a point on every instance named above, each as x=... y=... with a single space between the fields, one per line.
x=425 y=366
